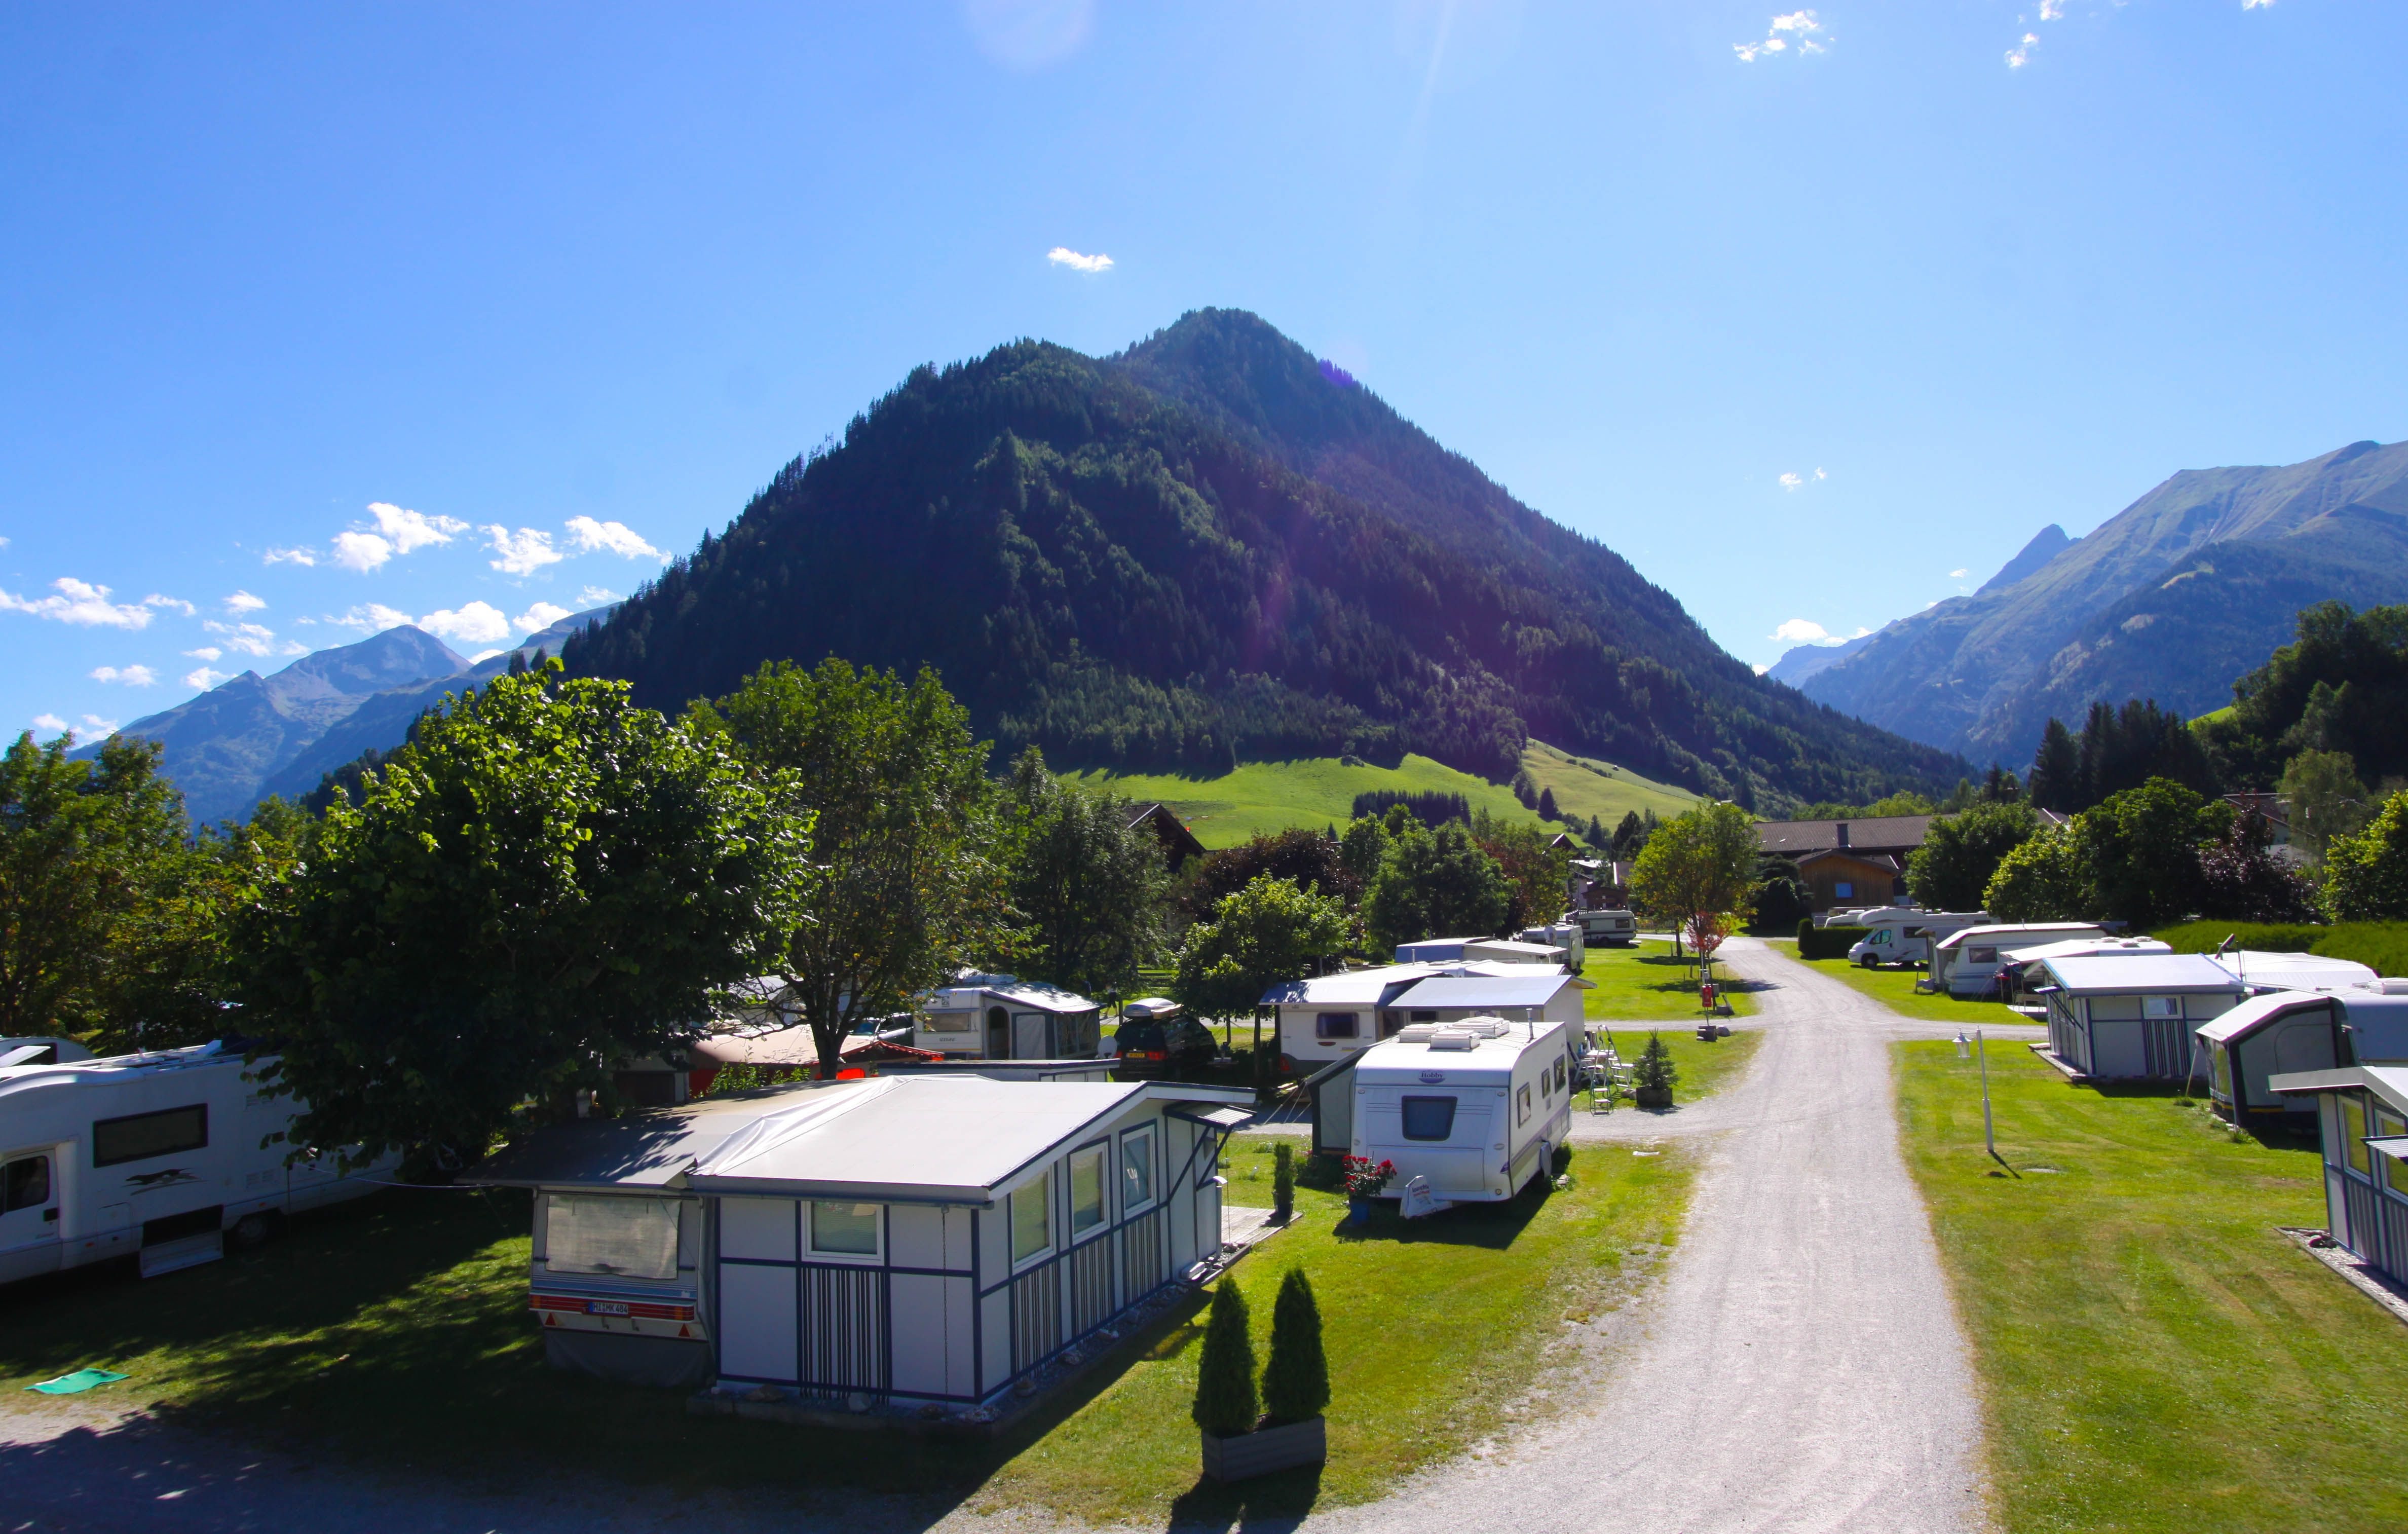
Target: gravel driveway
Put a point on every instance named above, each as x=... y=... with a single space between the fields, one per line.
x=1801 y=1370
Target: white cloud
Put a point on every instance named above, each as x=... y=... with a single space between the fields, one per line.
x=483 y=656
x=596 y=596
x=173 y=604
x=131 y=676
x=51 y=722
x=1959 y=575
x=413 y=530
x=2054 y=11
x=289 y=557
x=478 y=623
x=1062 y=255
x=207 y=652
x=1762 y=669
x=1798 y=28
x=541 y=615
x=1820 y=475
x=2020 y=54
x=361 y=551
x=96 y=726
x=2246 y=5
x=250 y=638
x=1791 y=481
x=617 y=537
x=1804 y=631
x=370 y=618
x=242 y=601
x=203 y=679
x=292 y=647
x=524 y=553
x=82 y=603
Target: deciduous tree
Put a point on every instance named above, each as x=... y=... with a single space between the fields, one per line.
x=1089 y=890
x=2366 y=875
x=1699 y=870
x=1961 y=851
x=1436 y=883
x=1268 y=932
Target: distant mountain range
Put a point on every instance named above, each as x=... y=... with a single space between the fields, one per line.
x=1214 y=546
x=2172 y=599
x=254 y=735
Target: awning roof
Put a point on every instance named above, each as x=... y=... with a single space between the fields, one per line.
x=1486 y=990
x=2388 y=1084
x=2131 y=974
x=2256 y=1013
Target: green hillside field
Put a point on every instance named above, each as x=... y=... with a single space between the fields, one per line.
x=1270 y=796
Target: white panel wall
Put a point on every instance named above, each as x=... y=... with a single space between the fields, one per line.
x=998 y=1340
x=758 y=1227
x=961 y=1365
x=915 y=1237
x=757 y=1314
x=924 y=1338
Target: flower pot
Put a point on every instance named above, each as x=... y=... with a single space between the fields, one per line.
x=1653 y=1096
x=1358 y=1210
x=1245 y=1455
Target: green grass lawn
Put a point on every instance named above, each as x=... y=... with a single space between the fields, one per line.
x=396 y=1330
x=1895 y=989
x=1646 y=984
x=1705 y=1068
x=1319 y=791
x=2154 y=1355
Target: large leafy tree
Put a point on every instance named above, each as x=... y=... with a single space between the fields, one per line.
x=92 y=857
x=1090 y=888
x=1436 y=883
x=2143 y=846
x=2324 y=797
x=2366 y=876
x=1697 y=870
x=2242 y=880
x=1537 y=873
x=1268 y=932
x=904 y=834
x=1300 y=854
x=2045 y=879
x=545 y=880
x=1959 y=852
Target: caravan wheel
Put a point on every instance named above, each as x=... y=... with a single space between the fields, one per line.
x=255 y=1230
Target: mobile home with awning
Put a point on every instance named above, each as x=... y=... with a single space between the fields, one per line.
x=2285 y=1033
x=907 y=1240
x=2362 y=1122
x=2134 y=1016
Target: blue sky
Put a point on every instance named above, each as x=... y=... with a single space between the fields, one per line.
x=313 y=318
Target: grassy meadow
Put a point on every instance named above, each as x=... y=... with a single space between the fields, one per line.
x=1261 y=798
x=1644 y=983
x=394 y=1331
x=2153 y=1353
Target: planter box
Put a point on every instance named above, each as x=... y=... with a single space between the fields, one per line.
x=1654 y=1097
x=1265 y=1450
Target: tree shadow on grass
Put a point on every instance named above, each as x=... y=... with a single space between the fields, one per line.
x=1493 y=1225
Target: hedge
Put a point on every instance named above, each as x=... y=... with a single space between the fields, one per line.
x=1827 y=942
x=2381 y=946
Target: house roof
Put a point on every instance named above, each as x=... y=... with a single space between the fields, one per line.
x=1884 y=861
x=954 y=1139
x=2134 y=973
x=1879 y=834
x=1178 y=842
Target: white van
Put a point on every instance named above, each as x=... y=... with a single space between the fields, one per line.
x=1967 y=961
x=155 y=1154
x=1907 y=939
x=1475 y=1106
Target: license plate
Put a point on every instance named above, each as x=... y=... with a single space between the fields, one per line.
x=605 y=1307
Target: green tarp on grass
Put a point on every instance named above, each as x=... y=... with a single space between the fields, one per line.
x=81 y=1380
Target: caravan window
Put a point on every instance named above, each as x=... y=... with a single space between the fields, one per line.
x=1032 y=1224
x=1137 y=1172
x=1559 y=1075
x=1522 y=1106
x=948 y=1021
x=625 y=1238
x=138 y=1136
x=2162 y=1006
x=28 y=1183
x=1981 y=955
x=1335 y=1025
x=844 y=1230
x=2387 y=1124
x=1429 y=1118
x=1086 y=1191
x=2353 y=1130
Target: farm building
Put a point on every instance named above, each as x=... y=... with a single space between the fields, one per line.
x=905 y=1240
x=2282 y=1033
x=2362 y=1121
x=2134 y=1016
x=1322 y=1018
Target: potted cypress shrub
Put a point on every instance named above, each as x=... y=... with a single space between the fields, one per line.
x=1290 y=1430
x=1653 y=1077
x=1284 y=1182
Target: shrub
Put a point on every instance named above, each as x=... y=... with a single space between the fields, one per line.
x=1295 y=1382
x=1226 y=1403
x=1284 y=1180
x=2366 y=876
x=2382 y=946
x=1827 y=942
x=1655 y=1071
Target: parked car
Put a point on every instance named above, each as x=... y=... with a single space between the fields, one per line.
x=1164 y=1046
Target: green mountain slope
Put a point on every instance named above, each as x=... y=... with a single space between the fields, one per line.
x=1209 y=550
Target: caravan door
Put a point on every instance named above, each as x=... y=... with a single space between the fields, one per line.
x=1029 y=1040
x=29 y=1214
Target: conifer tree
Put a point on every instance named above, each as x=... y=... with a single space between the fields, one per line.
x=1295 y=1382
x=1226 y=1403
x=1284 y=1182
x=1655 y=1071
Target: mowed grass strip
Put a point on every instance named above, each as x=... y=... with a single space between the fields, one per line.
x=1646 y=983
x=395 y=1331
x=1895 y=989
x=2153 y=1353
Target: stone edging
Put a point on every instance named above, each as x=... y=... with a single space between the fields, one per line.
x=2373 y=1286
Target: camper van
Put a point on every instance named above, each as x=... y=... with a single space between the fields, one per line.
x=1604 y=928
x=1907 y=939
x=1475 y=1106
x=155 y=1156
x=1967 y=963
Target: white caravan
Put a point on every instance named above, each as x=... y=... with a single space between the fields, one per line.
x=1605 y=929
x=1908 y=938
x=156 y=1155
x=1475 y=1106
x=1967 y=963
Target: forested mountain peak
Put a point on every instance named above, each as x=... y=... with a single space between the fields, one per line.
x=1211 y=547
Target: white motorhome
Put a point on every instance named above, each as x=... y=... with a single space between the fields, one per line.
x=1907 y=939
x=1002 y=1017
x=157 y=1156
x=1475 y=1106
x=1967 y=963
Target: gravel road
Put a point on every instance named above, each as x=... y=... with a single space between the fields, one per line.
x=1801 y=1370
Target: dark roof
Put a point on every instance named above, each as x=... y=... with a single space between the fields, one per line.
x=1179 y=843
x=1880 y=834
x=1886 y=861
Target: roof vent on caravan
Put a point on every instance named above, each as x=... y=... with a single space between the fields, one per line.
x=1462 y=1033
